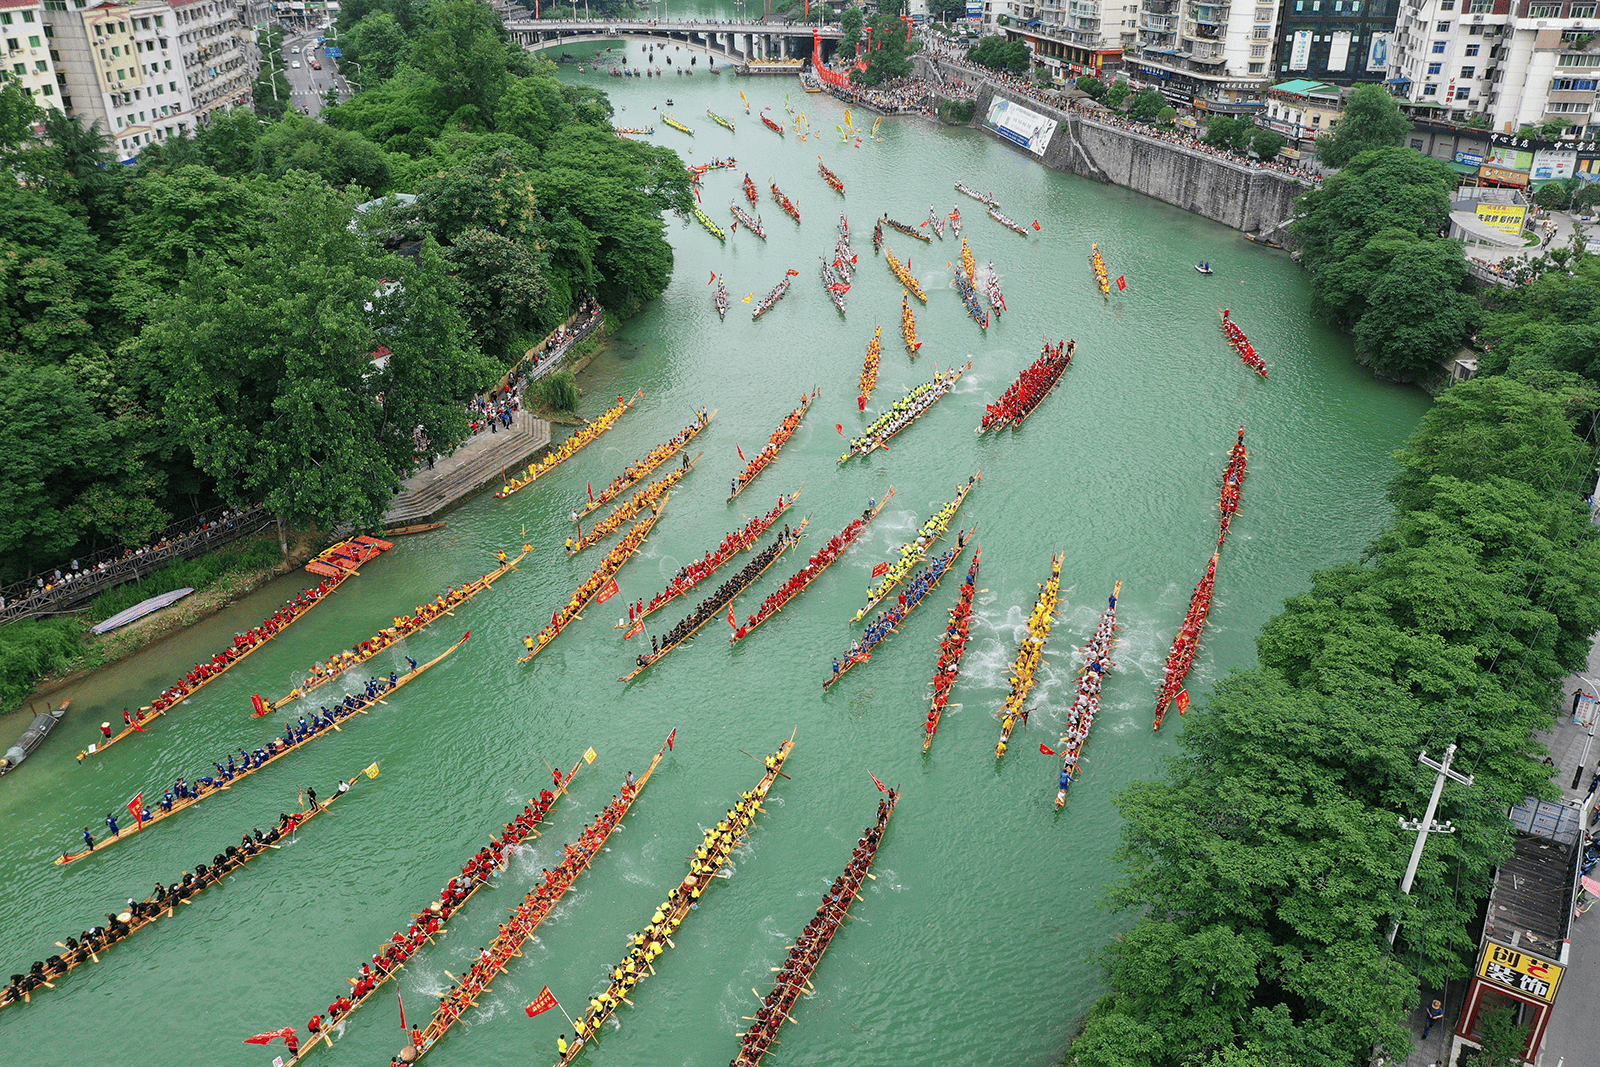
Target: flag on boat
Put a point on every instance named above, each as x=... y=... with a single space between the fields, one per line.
x=136 y=806
x=402 y=1002
x=634 y=630
x=792 y=273
x=731 y=621
x=713 y=277
x=739 y=450
x=840 y=427
x=747 y=299
x=372 y=771
x=877 y=783
x=671 y=737
x=542 y=1003
x=608 y=592
x=1036 y=224
x=270 y=1035
x=1046 y=750
x=589 y=488
x=1122 y=281
x=880 y=569
x=590 y=756
x=1182 y=700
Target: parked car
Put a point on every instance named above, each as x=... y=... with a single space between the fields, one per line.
x=315 y=65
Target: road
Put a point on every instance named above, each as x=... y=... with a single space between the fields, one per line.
x=308 y=86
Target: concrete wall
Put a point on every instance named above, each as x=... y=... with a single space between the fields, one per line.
x=1250 y=200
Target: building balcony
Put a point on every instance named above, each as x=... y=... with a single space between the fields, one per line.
x=1158 y=24
x=1207 y=15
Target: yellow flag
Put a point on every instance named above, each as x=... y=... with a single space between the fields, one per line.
x=590 y=756
x=747 y=299
x=372 y=771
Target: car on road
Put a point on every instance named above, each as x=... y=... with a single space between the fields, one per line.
x=295 y=64
x=296 y=51
x=315 y=65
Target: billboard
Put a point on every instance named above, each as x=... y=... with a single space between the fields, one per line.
x=1016 y=123
x=1509 y=158
x=974 y=9
x=1507 y=218
x=1553 y=163
x=1378 y=52
x=1300 y=51
x=1339 y=50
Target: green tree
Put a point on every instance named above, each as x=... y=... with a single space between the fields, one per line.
x=378 y=43
x=1504 y=1039
x=1265 y=144
x=503 y=291
x=1167 y=116
x=1227 y=132
x=1146 y=105
x=276 y=390
x=18 y=114
x=851 y=22
x=339 y=157
x=1095 y=87
x=1371 y=119
x=1420 y=313
x=464 y=49
x=1387 y=189
x=888 y=58
x=55 y=285
x=1007 y=55
x=1557 y=195
x=947 y=11
x=1117 y=93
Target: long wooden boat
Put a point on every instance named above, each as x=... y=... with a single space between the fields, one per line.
x=427 y=925
x=1181 y=658
x=834 y=285
x=955 y=221
x=775 y=127
x=33 y=737
x=1007 y=221
x=1102 y=278
x=991 y=290
x=869 y=369
x=1029 y=656
x=969 y=299
x=982 y=198
x=907 y=229
x=536 y=906
x=705 y=220
x=814 y=567
x=917 y=590
x=1096 y=665
x=675 y=124
x=637 y=471
x=770 y=301
x=209 y=786
x=844 y=257
x=656 y=937
x=417 y=528
x=794 y=977
x=719 y=299
x=586 y=436
x=733 y=543
x=244 y=646
x=1023 y=396
x=877 y=237
x=129 y=920
x=632 y=508
x=404 y=626
x=916 y=550
x=639 y=131
x=346 y=556
x=789 y=207
x=968 y=265
x=1232 y=486
x=750 y=192
x=902 y=271
x=908 y=325
x=1241 y=344
x=952 y=646
x=830 y=177
x=710 y=609
x=769 y=451
x=750 y=223
x=935 y=222
x=615 y=557
x=726 y=124
x=904 y=412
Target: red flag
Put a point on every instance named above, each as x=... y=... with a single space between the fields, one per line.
x=262 y=1039
x=739 y=450
x=877 y=783
x=608 y=592
x=731 y=621
x=713 y=277
x=1122 y=281
x=792 y=273
x=1182 y=700
x=136 y=806
x=402 y=1001
x=634 y=630
x=697 y=193
x=589 y=487
x=879 y=569
x=541 y=1003
x=670 y=738
x=1036 y=224
x=840 y=427
x=1046 y=750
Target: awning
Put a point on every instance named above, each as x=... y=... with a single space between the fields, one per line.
x=1461 y=168
x=1399 y=81
x=1035 y=22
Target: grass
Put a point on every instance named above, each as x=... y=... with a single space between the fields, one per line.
x=202 y=572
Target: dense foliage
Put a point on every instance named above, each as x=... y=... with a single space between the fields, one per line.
x=889 y=56
x=1243 y=137
x=1372 y=119
x=198 y=328
x=1370 y=238
x=1007 y=55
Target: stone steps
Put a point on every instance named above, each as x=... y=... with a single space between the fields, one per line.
x=430 y=494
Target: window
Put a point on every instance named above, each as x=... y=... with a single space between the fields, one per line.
x=33 y=42
x=1462 y=92
x=1258 y=51
x=1438 y=48
x=5 y=18
x=49 y=90
x=1472 y=49
x=1430 y=89
x=1443 y=27
x=20 y=68
x=1435 y=68
x=1469 y=72
x=1257 y=68
x=1581 y=11
x=1567 y=109
x=1447 y=5
x=1482 y=7
x=13 y=45
x=1544 y=11
x=27 y=16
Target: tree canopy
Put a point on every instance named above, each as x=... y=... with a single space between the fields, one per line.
x=1007 y=55
x=1372 y=119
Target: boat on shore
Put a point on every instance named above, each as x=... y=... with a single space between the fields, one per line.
x=750 y=223
x=916 y=591
x=324 y=723
x=914 y=551
x=711 y=608
x=902 y=271
x=908 y=409
x=801 y=580
x=407 y=531
x=129 y=918
x=143 y=608
x=632 y=508
x=726 y=124
x=706 y=863
x=830 y=177
x=586 y=436
x=675 y=124
x=982 y=198
x=952 y=646
x=1102 y=277
x=770 y=301
x=1241 y=344
x=908 y=325
x=794 y=977
x=869 y=369
x=789 y=207
x=1024 y=671
x=32 y=737
x=908 y=230
x=601 y=579
x=834 y=285
x=636 y=472
x=386 y=638
x=769 y=451
x=1086 y=705
x=698 y=570
x=1023 y=396
x=705 y=220
x=536 y=906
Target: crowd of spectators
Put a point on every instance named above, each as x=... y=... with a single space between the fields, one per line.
x=1186 y=138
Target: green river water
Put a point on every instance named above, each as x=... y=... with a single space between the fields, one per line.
x=976 y=943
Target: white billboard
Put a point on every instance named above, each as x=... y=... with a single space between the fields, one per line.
x=1378 y=52
x=1016 y=123
x=1300 y=50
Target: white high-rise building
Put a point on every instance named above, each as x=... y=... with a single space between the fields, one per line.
x=25 y=50
x=1215 y=53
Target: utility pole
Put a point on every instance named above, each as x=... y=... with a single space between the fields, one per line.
x=1424 y=826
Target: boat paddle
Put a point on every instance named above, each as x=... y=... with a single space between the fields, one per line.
x=758 y=759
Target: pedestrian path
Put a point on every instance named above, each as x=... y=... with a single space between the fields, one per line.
x=479 y=463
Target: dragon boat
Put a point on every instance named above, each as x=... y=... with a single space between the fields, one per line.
x=952 y=646
x=1030 y=655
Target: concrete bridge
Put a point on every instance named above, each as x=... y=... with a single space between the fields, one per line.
x=737 y=42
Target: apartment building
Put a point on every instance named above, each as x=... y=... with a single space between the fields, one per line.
x=220 y=58
x=26 y=41
x=1215 y=54
x=1512 y=63
x=1076 y=37
x=1338 y=42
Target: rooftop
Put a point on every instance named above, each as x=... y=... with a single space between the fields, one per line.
x=1531 y=906
x=1304 y=87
